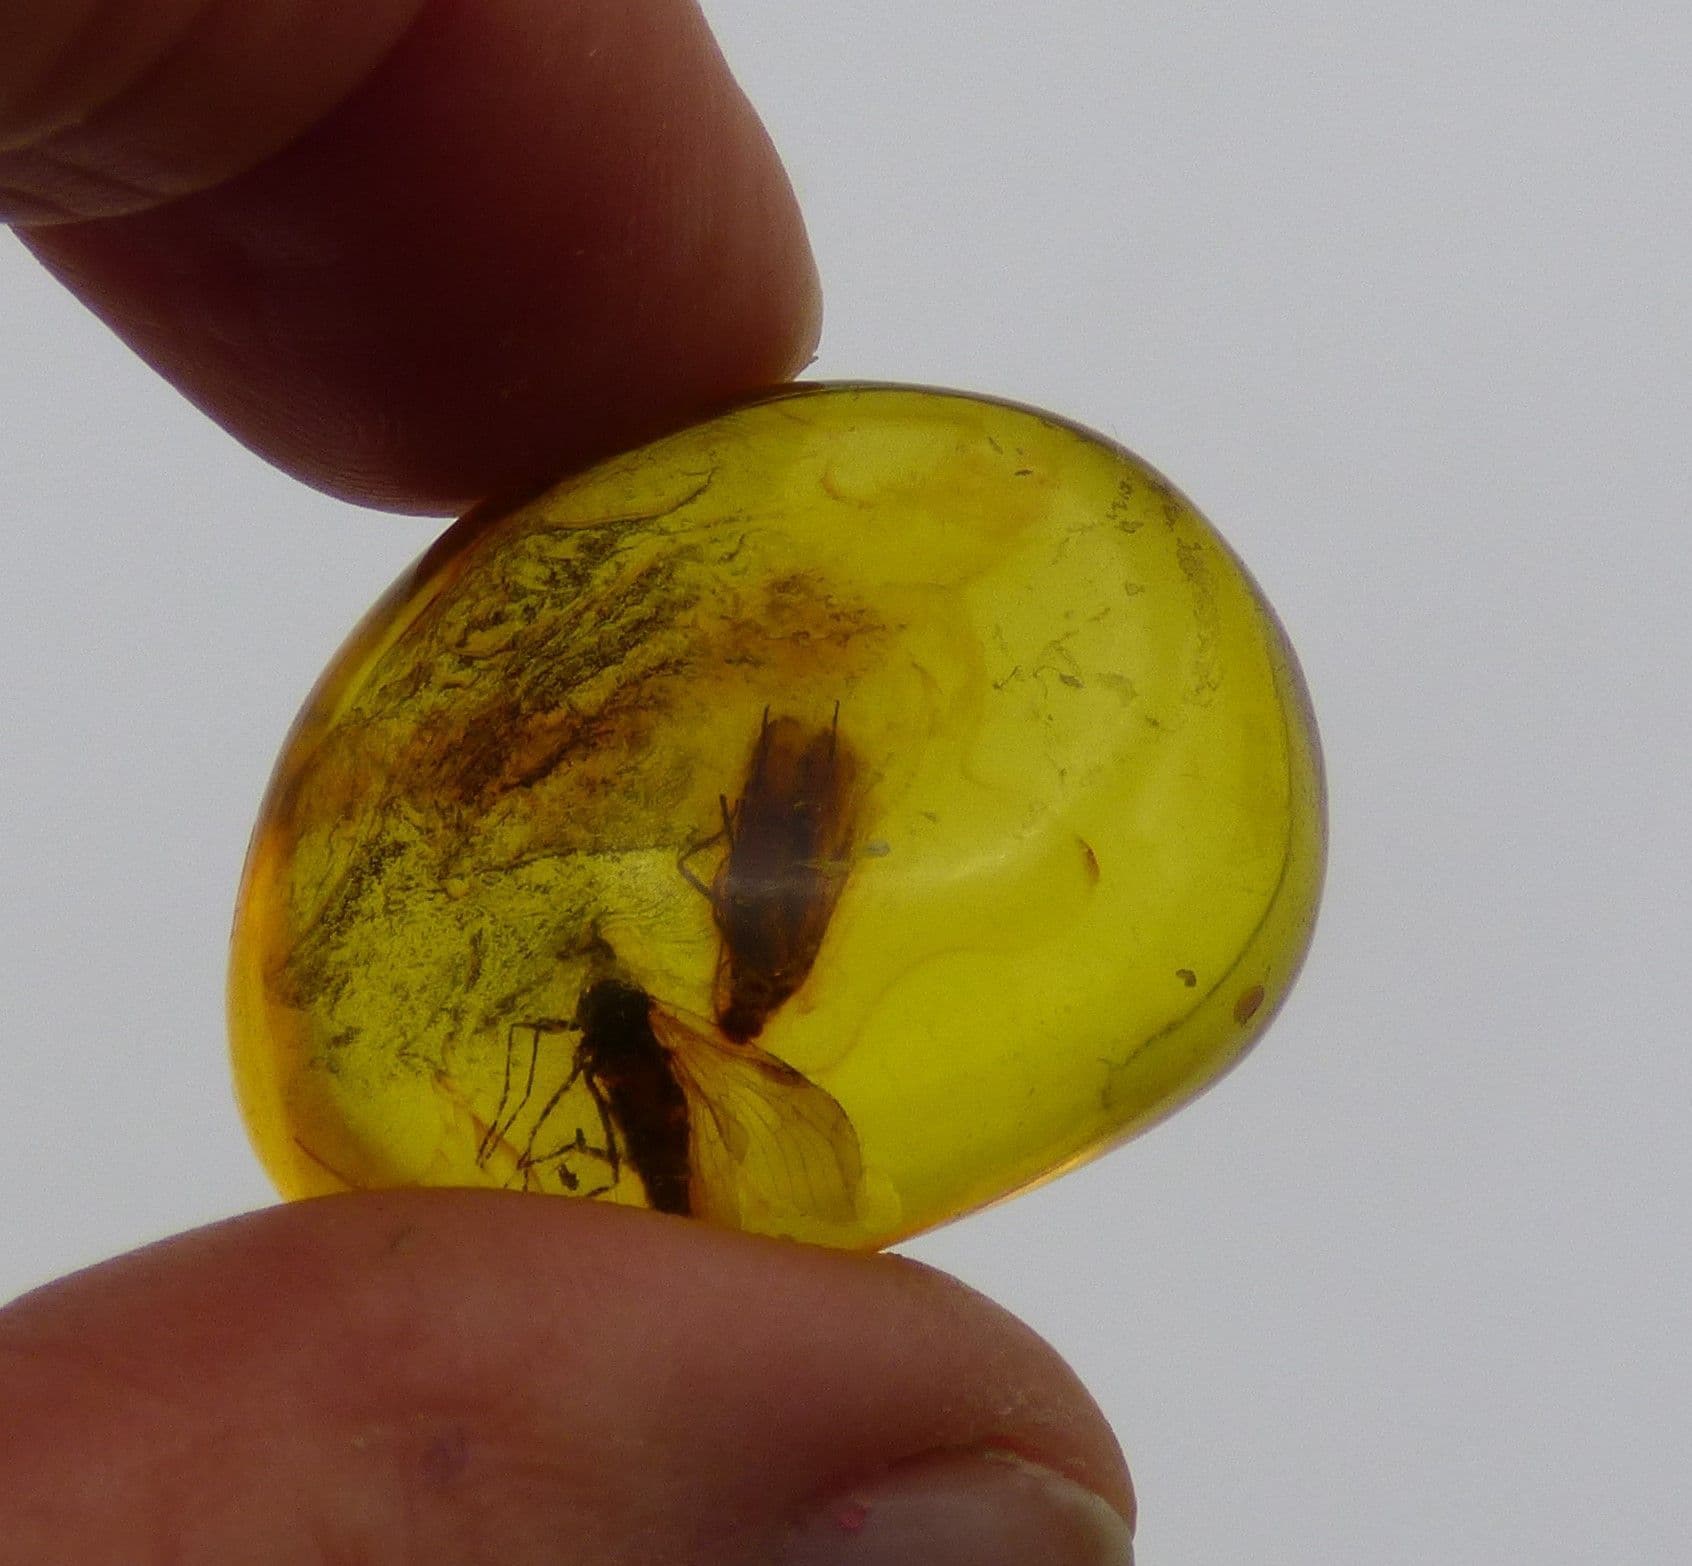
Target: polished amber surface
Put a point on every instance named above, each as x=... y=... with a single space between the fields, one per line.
x=825 y=820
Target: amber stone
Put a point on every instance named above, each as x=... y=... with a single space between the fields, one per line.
x=825 y=820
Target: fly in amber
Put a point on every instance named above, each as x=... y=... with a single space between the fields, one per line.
x=789 y=839
x=704 y=1123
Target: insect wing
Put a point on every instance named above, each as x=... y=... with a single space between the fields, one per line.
x=761 y=1131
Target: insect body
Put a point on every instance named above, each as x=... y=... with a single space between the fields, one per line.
x=704 y=1122
x=789 y=838
x=630 y=1076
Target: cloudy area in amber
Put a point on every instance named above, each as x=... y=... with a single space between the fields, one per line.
x=959 y=716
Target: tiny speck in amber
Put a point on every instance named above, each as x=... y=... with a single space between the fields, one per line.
x=823 y=821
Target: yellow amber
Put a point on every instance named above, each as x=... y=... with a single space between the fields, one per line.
x=826 y=820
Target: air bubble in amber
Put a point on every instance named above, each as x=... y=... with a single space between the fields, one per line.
x=823 y=821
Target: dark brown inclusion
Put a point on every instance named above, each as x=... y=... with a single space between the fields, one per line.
x=631 y=1078
x=789 y=839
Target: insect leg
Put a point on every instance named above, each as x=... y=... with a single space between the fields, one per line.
x=558 y=1161
x=613 y=1158
x=606 y=1154
x=500 y=1126
x=723 y=834
x=528 y=1158
x=699 y=845
x=491 y=1136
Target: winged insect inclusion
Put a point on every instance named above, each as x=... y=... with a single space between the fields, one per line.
x=696 y=1112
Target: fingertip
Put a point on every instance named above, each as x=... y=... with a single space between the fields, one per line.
x=113 y=106
x=533 y=236
x=572 y=1371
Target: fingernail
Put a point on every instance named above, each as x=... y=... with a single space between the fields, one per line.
x=986 y=1509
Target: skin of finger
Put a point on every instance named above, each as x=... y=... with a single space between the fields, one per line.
x=534 y=235
x=416 y=1377
x=109 y=106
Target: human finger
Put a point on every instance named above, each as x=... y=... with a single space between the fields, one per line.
x=414 y=1377
x=416 y=252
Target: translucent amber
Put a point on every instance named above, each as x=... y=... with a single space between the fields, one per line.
x=824 y=821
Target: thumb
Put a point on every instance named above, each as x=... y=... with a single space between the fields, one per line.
x=478 y=1377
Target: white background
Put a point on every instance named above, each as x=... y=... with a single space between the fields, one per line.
x=1399 y=294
